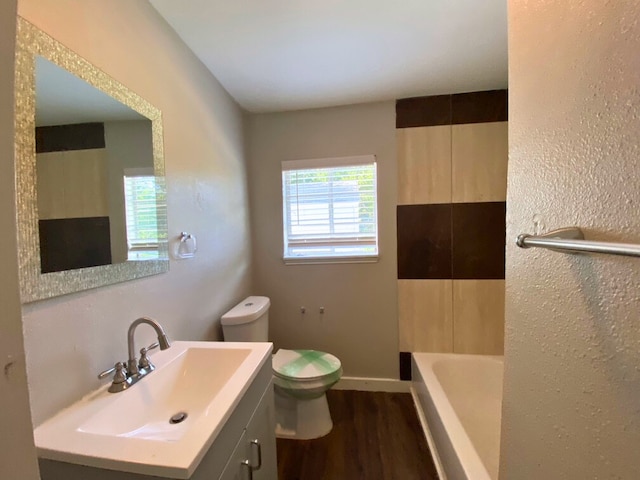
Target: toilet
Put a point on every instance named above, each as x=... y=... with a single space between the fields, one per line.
x=301 y=378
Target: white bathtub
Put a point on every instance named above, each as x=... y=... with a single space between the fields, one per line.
x=459 y=399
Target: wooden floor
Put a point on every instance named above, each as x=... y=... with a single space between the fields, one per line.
x=375 y=436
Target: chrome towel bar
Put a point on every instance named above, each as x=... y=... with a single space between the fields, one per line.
x=571 y=239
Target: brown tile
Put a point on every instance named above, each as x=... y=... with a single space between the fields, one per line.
x=425 y=317
x=80 y=136
x=423 y=111
x=478 y=316
x=478 y=107
x=424 y=165
x=424 y=241
x=405 y=365
x=478 y=240
x=70 y=243
x=479 y=154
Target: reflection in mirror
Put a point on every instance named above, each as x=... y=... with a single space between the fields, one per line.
x=90 y=174
x=95 y=181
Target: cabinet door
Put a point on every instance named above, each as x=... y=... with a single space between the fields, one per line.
x=238 y=467
x=260 y=439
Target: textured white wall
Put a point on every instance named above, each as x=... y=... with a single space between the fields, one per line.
x=70 y=339
x=17 y=453
x=572 y=381
x=360 y=323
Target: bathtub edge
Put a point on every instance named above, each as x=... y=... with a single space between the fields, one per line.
x=427 y=434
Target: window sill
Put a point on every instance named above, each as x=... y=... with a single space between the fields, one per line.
x=329 y=260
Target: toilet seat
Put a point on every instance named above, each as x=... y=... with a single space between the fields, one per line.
x=304 y=366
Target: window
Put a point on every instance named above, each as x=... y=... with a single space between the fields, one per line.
x=330 y=209
x=141 y=216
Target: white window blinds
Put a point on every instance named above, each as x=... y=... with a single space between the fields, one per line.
x=141 y=212
x=330 y=207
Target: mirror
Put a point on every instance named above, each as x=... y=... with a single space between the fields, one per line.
x=90 y=174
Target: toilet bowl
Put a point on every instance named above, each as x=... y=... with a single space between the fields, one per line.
x=301 y=377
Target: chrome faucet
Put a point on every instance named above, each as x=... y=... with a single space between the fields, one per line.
x=124 y=377
x=163 y=341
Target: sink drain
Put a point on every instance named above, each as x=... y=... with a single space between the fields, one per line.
x=178 y=418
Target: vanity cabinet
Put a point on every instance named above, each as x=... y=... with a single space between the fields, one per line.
x=254 y=457
x=255 y=454
x=253 y=419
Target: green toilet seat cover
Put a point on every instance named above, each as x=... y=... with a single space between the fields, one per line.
x=304 y=364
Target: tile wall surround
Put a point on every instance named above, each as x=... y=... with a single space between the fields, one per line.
x=452 y=155
x=62 y=138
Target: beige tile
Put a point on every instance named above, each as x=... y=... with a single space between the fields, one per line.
x=479 y=153
x=478 y=316
x=425 y=316
x=72 y=184
x=424 y=165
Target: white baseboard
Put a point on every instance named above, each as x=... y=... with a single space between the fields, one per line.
x=365 y=384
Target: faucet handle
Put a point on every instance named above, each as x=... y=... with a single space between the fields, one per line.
x=120 y=379
x=120 y=373
x=107 y=372
x=144 y=362
x=144 y=350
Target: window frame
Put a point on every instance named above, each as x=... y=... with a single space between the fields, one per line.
x=329 y=163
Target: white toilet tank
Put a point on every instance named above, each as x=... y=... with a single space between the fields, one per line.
x=248 y=321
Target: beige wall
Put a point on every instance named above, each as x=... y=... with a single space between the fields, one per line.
x=70 y=339
x=360 y=320
x=17 y=453
x=572 y=378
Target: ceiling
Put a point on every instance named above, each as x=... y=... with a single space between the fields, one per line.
x=276 y=55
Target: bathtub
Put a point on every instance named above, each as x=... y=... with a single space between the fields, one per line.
x=459 y=399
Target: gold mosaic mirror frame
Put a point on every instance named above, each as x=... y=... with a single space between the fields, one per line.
x=34 y=285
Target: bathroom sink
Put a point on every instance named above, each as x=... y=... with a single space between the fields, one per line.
x=165 y=423
x=184 y=386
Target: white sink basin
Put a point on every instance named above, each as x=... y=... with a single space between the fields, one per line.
x=131 y=431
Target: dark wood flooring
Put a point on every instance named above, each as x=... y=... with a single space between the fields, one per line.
x=375 y=436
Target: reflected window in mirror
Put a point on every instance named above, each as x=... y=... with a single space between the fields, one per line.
x=140 y=196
